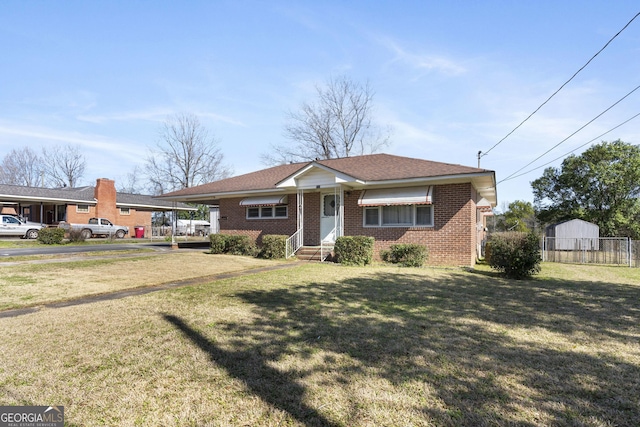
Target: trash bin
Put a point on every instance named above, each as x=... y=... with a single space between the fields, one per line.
x=139 y=232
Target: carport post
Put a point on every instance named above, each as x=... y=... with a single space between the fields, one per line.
x=174 y=223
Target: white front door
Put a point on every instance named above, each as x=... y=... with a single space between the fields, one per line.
x=328 y=212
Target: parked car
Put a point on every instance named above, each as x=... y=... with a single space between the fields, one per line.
x=97 y=227
x=12 y=225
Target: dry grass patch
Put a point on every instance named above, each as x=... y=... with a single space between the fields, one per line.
x=328 y=345
x=33 y=284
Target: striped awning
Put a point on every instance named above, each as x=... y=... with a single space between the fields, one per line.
x=397 y=196
x=280 y=199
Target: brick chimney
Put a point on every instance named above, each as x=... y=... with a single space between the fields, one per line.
x=105 y=194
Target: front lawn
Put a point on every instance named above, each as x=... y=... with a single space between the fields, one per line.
x=322 y=344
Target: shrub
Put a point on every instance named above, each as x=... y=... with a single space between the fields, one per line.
x=407 y=255
x=76 y=235
x=274 y=246
x=232 y=244
x=51 y=236
x=240 y=245
x=218 y=243
x=354 y=250
x=515 y=254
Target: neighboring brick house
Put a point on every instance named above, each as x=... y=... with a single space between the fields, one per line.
x=391 y=198
x=77 y=205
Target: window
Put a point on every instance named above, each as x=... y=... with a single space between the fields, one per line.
x=125 y=211
x=371 y=216
x=329 y=205
x=82 y=208
x=267 y=212
x=398 y=216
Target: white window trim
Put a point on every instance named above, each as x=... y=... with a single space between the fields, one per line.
x=125 y=211
x=413 y=218
x=78 y=210
x=273 y=211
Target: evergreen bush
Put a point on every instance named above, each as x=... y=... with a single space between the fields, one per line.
x=218 y=243
x=51 y=236
x=354 y=250
x=407 y=255
x=514 y=254
x=274 y=246
x=240 y=245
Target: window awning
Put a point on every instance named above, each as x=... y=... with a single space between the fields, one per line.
x=397 y=196
x=280 y=199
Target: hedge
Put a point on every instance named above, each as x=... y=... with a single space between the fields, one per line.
x=354 y=250
x=274 y=246
x=514 y=254
x=407 y=255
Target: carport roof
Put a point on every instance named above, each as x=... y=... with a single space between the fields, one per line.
x=82 y=195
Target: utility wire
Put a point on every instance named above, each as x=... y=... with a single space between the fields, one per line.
x=564 y=140
x=563 y=85
x=572 y=151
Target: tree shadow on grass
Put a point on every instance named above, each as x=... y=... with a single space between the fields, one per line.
x=453 y=334
x=273 y=386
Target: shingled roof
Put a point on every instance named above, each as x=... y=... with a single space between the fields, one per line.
x=81 y=195
x=367 y=170
x=41 y=194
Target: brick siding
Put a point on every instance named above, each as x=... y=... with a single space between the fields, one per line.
x=233 y=220
x=451 y=241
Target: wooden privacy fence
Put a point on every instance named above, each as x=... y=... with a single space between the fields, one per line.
x=602 y=250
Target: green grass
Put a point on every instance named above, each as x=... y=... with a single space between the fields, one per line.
x=344 y=346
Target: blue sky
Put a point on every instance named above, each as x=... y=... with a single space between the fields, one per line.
x=450 y=77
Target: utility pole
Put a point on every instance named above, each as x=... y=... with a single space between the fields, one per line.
x=479 y=155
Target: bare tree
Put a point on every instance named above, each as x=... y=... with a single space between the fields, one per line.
x=339 y=124
x=63 y=165
x=185 y=156
x=131 y=184
x=21 y=167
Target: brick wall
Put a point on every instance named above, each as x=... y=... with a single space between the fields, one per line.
x=233 y=220
x=450 y=242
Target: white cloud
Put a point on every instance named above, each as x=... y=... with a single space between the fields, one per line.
x=158 y=115
x=43 y=135
x=422 y=61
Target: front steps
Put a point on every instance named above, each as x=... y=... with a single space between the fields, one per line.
x=312 y=253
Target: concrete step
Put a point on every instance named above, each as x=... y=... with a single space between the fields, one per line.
x=312 y=253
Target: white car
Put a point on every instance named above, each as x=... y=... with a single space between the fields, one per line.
x=11 y=225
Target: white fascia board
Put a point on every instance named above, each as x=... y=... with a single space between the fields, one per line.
x=215 y=196
x=159 y=207
x=35 y=199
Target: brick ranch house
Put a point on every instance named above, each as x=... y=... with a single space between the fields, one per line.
x=76 y=205
x=390 y=198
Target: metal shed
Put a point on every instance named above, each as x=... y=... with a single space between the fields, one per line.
x=571 y=235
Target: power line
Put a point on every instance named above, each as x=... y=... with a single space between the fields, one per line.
x=563 y=85
x=564 y=140
x=572 y=151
